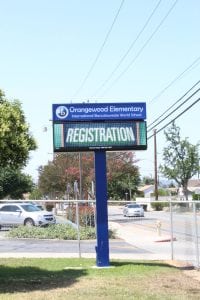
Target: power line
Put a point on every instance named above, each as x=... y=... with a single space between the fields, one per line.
x=100 y=50
x=150 y=125
x=175 y=109
x=129 y=49
x=185 y=110
x=175 y=79
x=142 y=48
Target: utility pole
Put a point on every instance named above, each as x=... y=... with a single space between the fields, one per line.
x=155 y=166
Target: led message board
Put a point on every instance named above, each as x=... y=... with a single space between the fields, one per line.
x=91 y=136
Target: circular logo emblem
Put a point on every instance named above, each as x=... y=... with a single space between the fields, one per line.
x=62 y=112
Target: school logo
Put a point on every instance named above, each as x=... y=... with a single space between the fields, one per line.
x=62 y=112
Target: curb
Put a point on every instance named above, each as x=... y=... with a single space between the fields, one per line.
x=166 y=239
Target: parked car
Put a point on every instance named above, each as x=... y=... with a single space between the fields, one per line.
x=133 y=210
x=41 y=207
x=12 y=214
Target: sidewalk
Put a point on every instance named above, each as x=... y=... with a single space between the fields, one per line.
x=142 y=239
x=155 y=246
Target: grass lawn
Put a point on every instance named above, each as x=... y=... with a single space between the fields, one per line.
x=40 y=279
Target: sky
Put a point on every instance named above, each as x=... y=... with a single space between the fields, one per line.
x=100 y=51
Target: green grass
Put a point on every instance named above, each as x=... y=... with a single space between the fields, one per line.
x=78 y=279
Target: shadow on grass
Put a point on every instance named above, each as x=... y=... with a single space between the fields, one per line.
x=141 y=263
x=25 y=279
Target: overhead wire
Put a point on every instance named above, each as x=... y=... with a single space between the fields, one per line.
x=142 y=48
x=176 y=102
x=176 y=78
x=174 y=110
x=129 y=49
x=179 y=115
x=100 y=50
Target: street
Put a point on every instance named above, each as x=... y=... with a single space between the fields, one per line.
x=183 y=223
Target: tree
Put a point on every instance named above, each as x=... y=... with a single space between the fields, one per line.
x=181 y=158
x=122 y=174
x=65 y=170
x=35 y=193
x=13 y=183
x=15 y=138
x=147 y=180
x=15 y=144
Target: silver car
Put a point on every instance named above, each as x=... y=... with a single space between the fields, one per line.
x=133 y=210
x=12 y=214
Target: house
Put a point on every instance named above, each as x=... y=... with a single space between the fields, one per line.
x=147 y=190
x=145 y=201
x=193 y=187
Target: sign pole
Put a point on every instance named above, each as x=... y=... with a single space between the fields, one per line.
x=102 y=248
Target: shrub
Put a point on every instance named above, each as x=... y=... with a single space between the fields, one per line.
x=86 y=214
x=195 y=196
x=49 y=207
x=159 y=205
x=161 y=192
x=57 y=231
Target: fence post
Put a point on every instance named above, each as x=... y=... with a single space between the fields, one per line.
x=196 y=235
x=78 y=228
x=171 y=231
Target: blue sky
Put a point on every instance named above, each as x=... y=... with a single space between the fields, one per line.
x=48 y=47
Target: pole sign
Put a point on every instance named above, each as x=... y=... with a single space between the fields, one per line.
x=99 y=127
x=102 y=126
x=99 y=111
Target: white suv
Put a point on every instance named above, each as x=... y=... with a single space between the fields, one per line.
x=12 y=214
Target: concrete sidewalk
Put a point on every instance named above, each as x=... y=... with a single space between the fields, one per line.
x=151 y=242
x=155 y=246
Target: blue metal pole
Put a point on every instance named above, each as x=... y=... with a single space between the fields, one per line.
x=102 y=248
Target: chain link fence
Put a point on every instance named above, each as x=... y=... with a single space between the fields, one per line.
x=168 y=230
